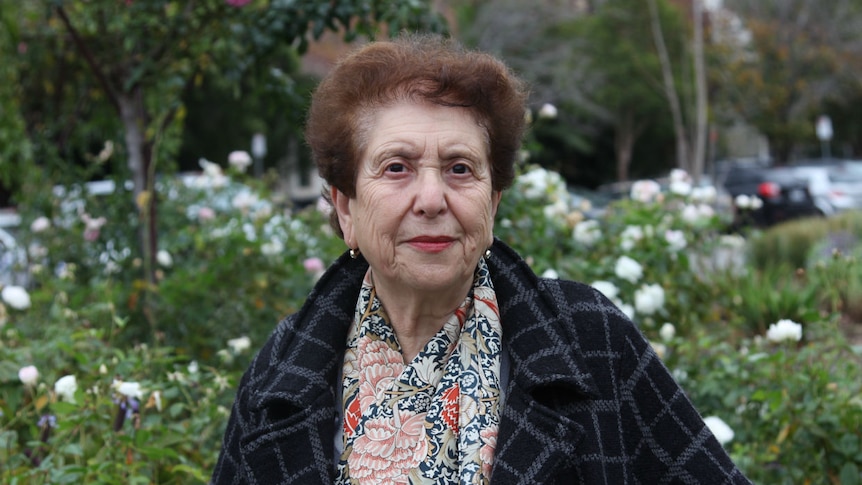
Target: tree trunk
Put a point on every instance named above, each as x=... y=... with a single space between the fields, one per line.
x=624 y=142
x=139 y=160
x=682 y=145
x=699 y=156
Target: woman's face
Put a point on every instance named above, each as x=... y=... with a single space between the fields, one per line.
x=424 y=208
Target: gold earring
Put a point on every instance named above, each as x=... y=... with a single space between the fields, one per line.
x=354 y=253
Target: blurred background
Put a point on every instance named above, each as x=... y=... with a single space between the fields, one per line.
x=633 y=88
x=159 y=211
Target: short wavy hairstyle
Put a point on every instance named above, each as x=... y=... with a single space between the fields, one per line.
x=414 y=67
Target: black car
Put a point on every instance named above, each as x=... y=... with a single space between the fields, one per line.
x=784 y=194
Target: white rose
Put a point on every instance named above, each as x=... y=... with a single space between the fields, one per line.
x=239 y=345
x=606 y=288
x=627 y=309
x=65 y=387
x=239 y=159
x=587 y=232
x=40 y=224
x=551 y=274
x=645 y=190
x=534 y=183
x=680 y=188
x=704 y=194
x=129 y=389
x=679 y=175
x=649 y=299
x=16 y=297
x=719 y=428
x=667 y=331
x=244 y=201
x=784 y=330
x=164 y=258
x=548 y=111
x=630 y=236
x=628 y=269
x=675 y=239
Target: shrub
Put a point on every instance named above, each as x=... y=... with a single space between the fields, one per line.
x=791 y=242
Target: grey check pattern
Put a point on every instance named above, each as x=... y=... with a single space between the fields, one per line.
x=588 y=400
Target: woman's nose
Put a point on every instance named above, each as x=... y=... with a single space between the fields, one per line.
x=430 y=198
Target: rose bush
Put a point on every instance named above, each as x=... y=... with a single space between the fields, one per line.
x=99 y=387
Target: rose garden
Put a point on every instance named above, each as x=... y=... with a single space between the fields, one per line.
x=111 y=379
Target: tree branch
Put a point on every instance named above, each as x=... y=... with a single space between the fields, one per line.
x=88 y=56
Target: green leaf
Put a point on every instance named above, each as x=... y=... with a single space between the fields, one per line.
x=850 y=474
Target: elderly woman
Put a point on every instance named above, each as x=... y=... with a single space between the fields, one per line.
x=429 y=352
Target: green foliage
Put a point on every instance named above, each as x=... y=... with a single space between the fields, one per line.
x=796 y=409
x=214 y=230
x=764 y=297
x=162 y=433
x=791 y=242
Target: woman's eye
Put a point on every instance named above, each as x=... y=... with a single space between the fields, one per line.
x=460 y=168
x=395 y=168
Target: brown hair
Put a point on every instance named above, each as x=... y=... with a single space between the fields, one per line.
x=419 y=67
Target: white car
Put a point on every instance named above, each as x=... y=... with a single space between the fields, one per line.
x=846 y=180
x=834 y=187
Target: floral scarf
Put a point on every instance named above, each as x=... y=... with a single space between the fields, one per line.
x=435 y=420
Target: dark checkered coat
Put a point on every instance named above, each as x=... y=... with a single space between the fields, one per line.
x=588 y=401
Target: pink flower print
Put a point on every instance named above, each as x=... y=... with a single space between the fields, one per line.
x=486 y=453
x=376 y=380
x=389 y=449
x=378 y=352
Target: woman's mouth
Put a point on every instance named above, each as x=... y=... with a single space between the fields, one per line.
x=431 y=244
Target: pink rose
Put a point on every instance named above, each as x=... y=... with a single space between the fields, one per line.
x=206 y=214
x=28 y=375
x=313 y=265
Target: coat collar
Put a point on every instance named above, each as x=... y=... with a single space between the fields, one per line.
x=546 y=375
x=527 y=306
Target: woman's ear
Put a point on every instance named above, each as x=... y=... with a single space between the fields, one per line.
x=496 y=196
x=341 y=205
x=495 y=201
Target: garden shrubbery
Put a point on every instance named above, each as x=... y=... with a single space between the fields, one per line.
x=108 y=377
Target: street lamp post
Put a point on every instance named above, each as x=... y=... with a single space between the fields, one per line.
x=824 y=133
x=258 y=151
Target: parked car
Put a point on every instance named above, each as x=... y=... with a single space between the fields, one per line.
x=846 y=179
x=784 y=194
x=836 y=185
x=13 y=260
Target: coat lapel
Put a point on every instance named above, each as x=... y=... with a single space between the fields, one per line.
x=295 y=399
x=548 y=376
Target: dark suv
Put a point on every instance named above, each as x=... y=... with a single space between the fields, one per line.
x=784 y=195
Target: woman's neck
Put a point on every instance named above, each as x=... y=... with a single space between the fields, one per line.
x=416 y=316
